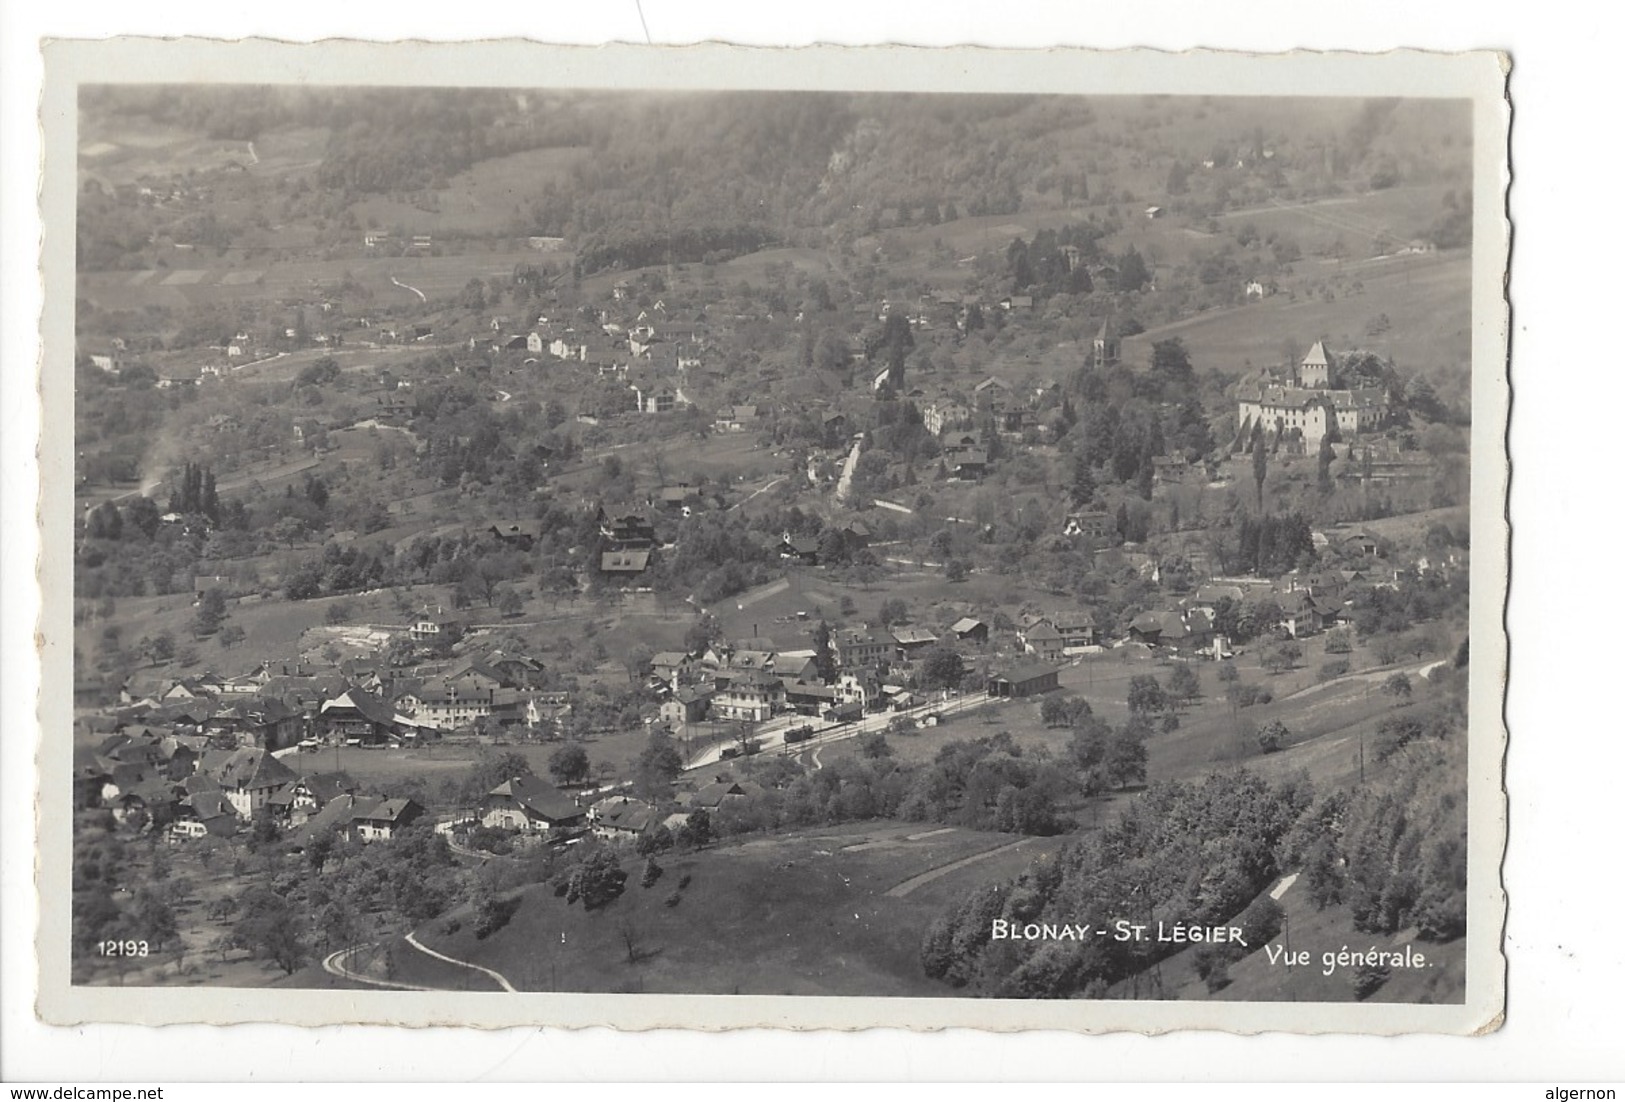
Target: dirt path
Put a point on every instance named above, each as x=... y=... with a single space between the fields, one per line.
x=1421 y=669
x=411 y=939
x=408 y=287
x=758 y=493
x=337 y=964
x=843 y=487
x=771 y=589
x=937 y=873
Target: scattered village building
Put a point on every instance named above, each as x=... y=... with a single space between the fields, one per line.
x=623 y=564
x=1185 y=630
x=530 y=805
x=517 y=533
x=674 y=668
x=749 y=695
x=357 y=716
x=801 y=549
x=912 y=640
x=690 y=704
x=301 y=799
x=855 y=647
x=380 y=821
x=621 y=818
x=1023 y=680
x=969 y=630
x=735 y=418
x=1040 y=639
x=249 y=778
x=941 y=416
x=1092 y=523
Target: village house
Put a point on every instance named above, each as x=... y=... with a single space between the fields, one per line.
x=1168 y=470
x=913 y=640
x=859 y=687
x=674 y=668
x=356 y=716
x=735 y=419
x=720 y=791
x=1303 y=613
x=1187 y=631
x=431 y=628
x=382 y=820
x=263 y=722
x=809 y=698
x=690 y=704
x=801 y=549
x=301 y=799
x=749 y=695
x=856 y=534
x=856 y=647
x=1040 y=639
x=516 y=533
x=530 y=805
x=448 y=704
x=629 y=532
x=1078 y=630
x=940 y=417
x=660 y=399
x=621 y=818
x=967 y=629
x=966 y=466
x=681 y=498
x=209 y=809
x=623 y=564
x=1093 y=524
x=249 y=778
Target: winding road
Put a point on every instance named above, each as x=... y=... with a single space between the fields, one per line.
x=408 y=287
x=940 y=871
x=502 y=981
x=338 y=964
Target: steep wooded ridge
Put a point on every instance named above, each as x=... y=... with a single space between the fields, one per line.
x=702 y=174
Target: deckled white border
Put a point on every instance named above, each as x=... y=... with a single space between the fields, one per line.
x=1478 y=77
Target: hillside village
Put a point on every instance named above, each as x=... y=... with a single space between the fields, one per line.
x=476 y=561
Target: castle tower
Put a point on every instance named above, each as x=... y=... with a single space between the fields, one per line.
x=1316 y=371
x=1108 y=346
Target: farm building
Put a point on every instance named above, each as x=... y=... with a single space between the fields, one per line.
x=1026 y=679
x=526 y=803
x=971 y=630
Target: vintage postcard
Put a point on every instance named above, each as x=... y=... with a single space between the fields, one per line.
x=711 y=537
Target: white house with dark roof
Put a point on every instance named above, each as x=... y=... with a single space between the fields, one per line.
x=529 y=804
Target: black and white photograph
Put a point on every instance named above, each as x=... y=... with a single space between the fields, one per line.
x=540 y=546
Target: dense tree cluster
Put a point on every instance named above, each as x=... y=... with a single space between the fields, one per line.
x=1198 y=852
x=1270 y=545
x=1396 y=854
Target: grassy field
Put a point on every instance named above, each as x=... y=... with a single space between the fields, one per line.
x=1426 y=300
x=440 y=278
x=799 y=914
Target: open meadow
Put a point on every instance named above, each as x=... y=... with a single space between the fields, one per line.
x=836 y=911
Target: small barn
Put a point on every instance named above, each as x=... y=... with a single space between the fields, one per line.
x=1027 y=679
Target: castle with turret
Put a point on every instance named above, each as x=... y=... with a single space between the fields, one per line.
x=1302 y=410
